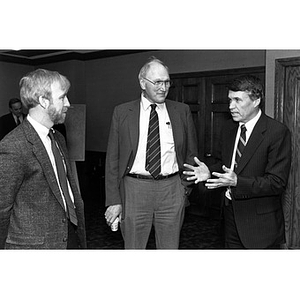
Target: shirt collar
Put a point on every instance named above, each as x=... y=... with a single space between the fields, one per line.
x=39 y=128
x=250 y=124
x=16 y=118
x=146 y=103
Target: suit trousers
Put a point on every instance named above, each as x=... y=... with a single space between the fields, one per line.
x=152 y=202
x=232 y=239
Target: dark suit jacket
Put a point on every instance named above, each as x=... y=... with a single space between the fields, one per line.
x=7 y=124
x=32 y=214
x=124 y=138
x=262 y=176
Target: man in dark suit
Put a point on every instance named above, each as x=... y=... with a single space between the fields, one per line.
x=253 y=167
x=10 y=121
x=140 y=193
x=40 y=205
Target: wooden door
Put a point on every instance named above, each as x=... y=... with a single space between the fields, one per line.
x=190 y=90
x=206 y=94
x=287 y=111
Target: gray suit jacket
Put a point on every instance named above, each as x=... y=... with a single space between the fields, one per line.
x=124 y=138
x=32 y=214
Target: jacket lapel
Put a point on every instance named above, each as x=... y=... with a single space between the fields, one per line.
x=41 y=154
x=255 y=140
x=229 y=146
x=176 y=126
x=133 y=116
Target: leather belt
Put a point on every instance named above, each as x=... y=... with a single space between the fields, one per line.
x=160 y=177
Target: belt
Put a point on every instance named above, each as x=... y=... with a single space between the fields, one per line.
x=160 y=177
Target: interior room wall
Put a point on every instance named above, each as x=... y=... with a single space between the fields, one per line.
x=10 y=75
x=112 y=81
x=74 y=70
x=102 y=84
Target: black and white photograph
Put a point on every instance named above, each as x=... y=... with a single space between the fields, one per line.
x=150 y=160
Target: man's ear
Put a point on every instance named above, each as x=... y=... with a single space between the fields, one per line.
x=142 y=84
x=44 y=103
x=256 y=102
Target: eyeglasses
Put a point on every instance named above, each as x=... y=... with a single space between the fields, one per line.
x=159 y=83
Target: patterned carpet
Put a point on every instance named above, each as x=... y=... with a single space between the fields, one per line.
x=197 y=232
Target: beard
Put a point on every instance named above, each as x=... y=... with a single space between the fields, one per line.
x=57 y=117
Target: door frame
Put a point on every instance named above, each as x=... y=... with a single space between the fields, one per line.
x=290 y=199
x=280 y=65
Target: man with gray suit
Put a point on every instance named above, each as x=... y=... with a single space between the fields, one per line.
x=40 y=205
x=150 y=139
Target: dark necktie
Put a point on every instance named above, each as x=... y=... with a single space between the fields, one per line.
x=153 y=144
x=62 y=176
x=18 y=121
x=241 y=145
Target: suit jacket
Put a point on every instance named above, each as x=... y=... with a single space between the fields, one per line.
x=124 y=138
x=32 y=214
x=7 y=124
x=262 y=176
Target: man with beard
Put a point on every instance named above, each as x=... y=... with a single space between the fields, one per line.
x=40 y=205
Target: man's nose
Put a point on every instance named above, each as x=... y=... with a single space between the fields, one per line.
x=66 y=102
x=231 y=105
x=163 y=87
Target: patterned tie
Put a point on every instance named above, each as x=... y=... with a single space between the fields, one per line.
x=153 y=144
x=62 y=176
x=18 y=121
x=241 y=145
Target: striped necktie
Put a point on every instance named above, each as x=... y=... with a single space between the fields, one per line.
x=153 y=160
x=62 y=176
x=241 y=145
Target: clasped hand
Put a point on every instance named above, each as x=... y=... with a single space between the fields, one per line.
x=201 y=173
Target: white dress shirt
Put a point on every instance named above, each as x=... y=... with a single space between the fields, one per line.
x=168 y=156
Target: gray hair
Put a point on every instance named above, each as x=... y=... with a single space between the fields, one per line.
x=147 y=66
